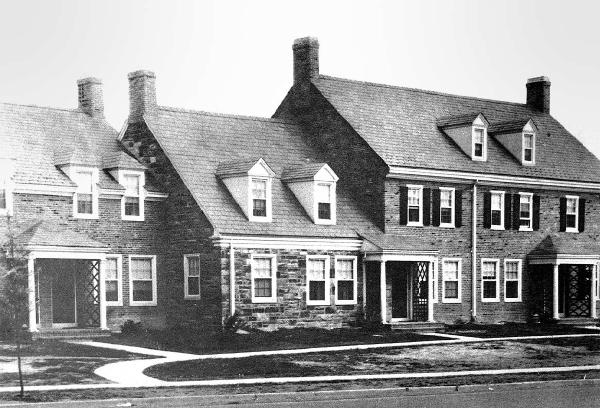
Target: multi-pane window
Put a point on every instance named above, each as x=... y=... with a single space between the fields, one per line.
x=191 y=271
x=489 y=280
x=451 y=280
x=132 y=195
x=525 y=211
x=112 y=280
x=415 y=196
x=323 y=195
x=572 y=213
x=84 y=195
x=142 y=270
x=478 y=142
x=497 y=209
x=528 y=147
x=345 y=278
x=259 y=197
x=264 y=278
x=512 y=280
x=446 y=206
x=3 y=194
x=317 y=279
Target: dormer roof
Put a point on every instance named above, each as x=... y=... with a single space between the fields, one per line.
x=238 y=168
x=511 y=126
x=121 y=160
x=309 y=171
x=74 y=156
x=466 y=119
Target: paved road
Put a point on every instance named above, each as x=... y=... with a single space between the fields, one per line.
x=548 y=395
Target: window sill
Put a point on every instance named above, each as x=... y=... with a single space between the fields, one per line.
x=525 y=229
x=414 y=224
x=259 y=219
x=86 y=216
x=444 y=300
x=497 y=227
x=572 y=230
x=132 y=303
x=512 y=300
x=264 y=300
x=324 y=222
x=345 y=302
x=131 y=218
x=447 y=226
x=318 y=303
x=112 y=304
x=496 y=300
x=191 y=297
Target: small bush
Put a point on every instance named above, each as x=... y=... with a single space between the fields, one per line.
x=131 y=327
x=234 y=323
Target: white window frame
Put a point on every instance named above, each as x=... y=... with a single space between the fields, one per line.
x=119 y=301
x=502 y=205
x=186 y=273
x=354 y=300
x=72 y=171
x=483 y=156
x=576 y=227
x=444 y=298
x=273 y=297
x=522 y=227
x=451 y=224
x=153 y=302
x=332 y=203
x=532 y=161
x=327 y=300
x=497 y=262
x=435 y=276
x=269 y=206
x=6 y=182
x=597 y=288
x=420 y=222
x=141 y=196
x=519 y=280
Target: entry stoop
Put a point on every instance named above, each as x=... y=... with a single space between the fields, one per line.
x=578 y=321
x=63 y=334
x=417 y=326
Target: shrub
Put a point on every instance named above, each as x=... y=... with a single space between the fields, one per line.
x=131 y=327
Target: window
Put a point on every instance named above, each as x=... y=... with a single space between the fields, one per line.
x=528 y=147
x=525 y=211
x=489 y=280
x=497 y=210
x=142 y=280
x=512 y=280
x=446 y=207
x=317 y=280
x=451 y=271
x=264 y=278
x=112 y=280
x=191 y=276
x=259 y=197
x=3 y=194
x=415 y=207
x=479 y=143
x=132 y=208
x=572 y=213
x=323 y=194
x=85 y=200
x=345 y=280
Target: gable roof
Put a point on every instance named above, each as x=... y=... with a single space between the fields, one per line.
x=400 y=125
x=197 y=143
x=305 y=171
x=48 y=233
x=516 y=125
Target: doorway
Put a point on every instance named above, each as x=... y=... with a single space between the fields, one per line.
x=400 y=277
x=64 y=296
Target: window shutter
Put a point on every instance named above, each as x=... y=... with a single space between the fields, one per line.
x=426 y=206
x=516 y=213
x=435 y=211
x=403 y=205
x=457 y=208
x=581 y=214
x=487 y=209
x=536 y=212
x=563 y=214
x=507 y=213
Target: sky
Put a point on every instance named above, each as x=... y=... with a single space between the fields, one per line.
x=236 y=57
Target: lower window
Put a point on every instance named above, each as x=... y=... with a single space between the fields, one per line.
x=142 y=275
x=264 y=278
x=345 y=280
x=112 y=280
x=191 y=271
x=512 y=280
x=451 y=270
x=489 y=280
x=317 y=280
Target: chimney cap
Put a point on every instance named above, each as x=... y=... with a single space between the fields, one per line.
x=305 y=42
x=538 y=79
x=141 y=73
x=89 y=80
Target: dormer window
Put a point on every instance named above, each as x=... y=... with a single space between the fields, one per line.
x=528 y=147
x=479 y=143
x=324 y=201
x=259 y=197
x=518 y=137
x=469 y=131
x=85 y=199
x=5 y=192
x=132 y=206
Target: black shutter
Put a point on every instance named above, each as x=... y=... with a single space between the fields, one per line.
x=516 y=211
x=536 y=212
x=403 y=205
x=581 y=214
x=457 y=208
x=487 y=209
x=563 y=214
x=435 y=208
x=426 y=206
x=507 y=212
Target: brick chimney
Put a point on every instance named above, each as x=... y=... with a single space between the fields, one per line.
x=142 y=94
x=90 y=96
x=538 y=94
x=306 y=59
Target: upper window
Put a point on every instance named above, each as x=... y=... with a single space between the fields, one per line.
x=132 y=200
x=264 y=278
x=113 y=280
x=259 y=199
x=528 y=148
x=142 y=280
x=323 y=194
x=446 y=207
x=85 y=201
x=572 y=214
x=317 y=280
x=489 y=280
x=415 y=205
x=525 y=211
x=512 y=280
x=191 y=276
x=345 y=280
x=479 y=147
x=497 y=209
x=5 y=197
x=451 y=271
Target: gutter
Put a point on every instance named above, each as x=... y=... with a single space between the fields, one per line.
x=474 y=254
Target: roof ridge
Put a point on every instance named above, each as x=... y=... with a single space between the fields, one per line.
x=42 y=107
x=229 y=115
x=419 y=90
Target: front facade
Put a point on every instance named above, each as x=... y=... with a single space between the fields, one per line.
x=356 y=202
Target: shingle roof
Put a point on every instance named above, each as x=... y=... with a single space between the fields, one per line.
x=508 y=126
x=121 y=160
x=198 y=142
x=556 y=245
x=46 y=233
x=400 y=125
x=456 y=120
x=301 y=171
x=233 y=168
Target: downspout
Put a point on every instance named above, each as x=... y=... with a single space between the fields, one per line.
x=474 y=254
x=231 y=280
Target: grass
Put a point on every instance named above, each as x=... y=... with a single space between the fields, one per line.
x=515 y=329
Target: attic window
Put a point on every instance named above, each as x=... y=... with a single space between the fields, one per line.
x=85 y=200
x=479 y=143
x=259 y=197
x=132 y=203
x=324 y=201
x=528 y=148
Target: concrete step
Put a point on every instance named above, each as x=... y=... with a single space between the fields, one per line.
x=578 y=321
x=70 y=333
x=417 y=326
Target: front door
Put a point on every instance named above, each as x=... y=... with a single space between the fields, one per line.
x=400 y=294
x=64 y=293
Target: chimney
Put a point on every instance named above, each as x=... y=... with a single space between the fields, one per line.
x=90 y=96
x=306 y=59
x=142 y=94
x=538 y=94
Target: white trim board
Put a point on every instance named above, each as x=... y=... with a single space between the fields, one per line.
x=288 y=243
